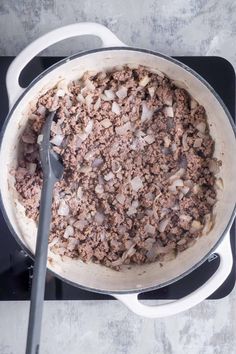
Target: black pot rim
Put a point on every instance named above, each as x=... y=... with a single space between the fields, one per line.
x=75 y=56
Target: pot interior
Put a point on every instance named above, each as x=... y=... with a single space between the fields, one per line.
x=134 y=278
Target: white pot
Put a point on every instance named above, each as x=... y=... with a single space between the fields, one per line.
x=126 y=284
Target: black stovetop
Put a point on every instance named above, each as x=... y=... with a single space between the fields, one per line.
x=16 y=267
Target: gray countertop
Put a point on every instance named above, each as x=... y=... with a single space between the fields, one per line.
x=174 y=27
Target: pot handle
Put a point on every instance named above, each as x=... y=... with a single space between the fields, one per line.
x=177 y=306
x=77 y=29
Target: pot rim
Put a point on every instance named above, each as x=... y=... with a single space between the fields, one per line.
x=75 y=56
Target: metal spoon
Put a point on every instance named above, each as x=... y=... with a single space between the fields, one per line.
x=52 y=172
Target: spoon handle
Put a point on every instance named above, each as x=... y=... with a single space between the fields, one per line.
x=40 y=268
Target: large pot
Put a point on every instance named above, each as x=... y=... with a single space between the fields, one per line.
x=126 y=284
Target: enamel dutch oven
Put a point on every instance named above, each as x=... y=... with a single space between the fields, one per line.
x=128 y=283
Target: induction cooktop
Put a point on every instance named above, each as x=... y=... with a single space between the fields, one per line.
x=16 y=268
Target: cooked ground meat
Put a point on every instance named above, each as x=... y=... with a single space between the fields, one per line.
x=138 y=183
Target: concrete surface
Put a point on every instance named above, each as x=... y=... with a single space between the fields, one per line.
x=175 y=27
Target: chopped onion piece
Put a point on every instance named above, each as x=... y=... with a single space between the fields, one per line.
x=201 y=135
x=141 y=134
x=219 y=184
x=97 y=104
x=177 y=174
x=115 y=108
x=80 y=138
x=66 y=112
x=185 y=217
x=99 y=189
x=84 y=91
x=56 y=128
x=99 y=218
x=168 y=99
x=108 y=176
x=63 y=209
x=89 y=85
x=135 y=204
x=55 y=103
x=210 y=200
x=104 y=97
x=120 y=198
x=97 y=162
x=146 y=112
x=85 y=169
x=151 y=254
x=148 y=243
x=201 y=127
x=149 y=229
x=100 y=179
x=32 y=167
x=131 y=211
x=129 y=253
x=122 y=92
x=175 y=207
x=80 y=224
x=89 y=101
x=79 y=193
x=213 y=166
x=185 y=190
x=69 y=231
x=208 y=224
x=40 y=139
x=158 y=72
x=173 y=147
x=109 y=95
x=57 y=140
x=106 y=123
x=136 y=183
x=188 y=183
x=149 y=139
x=151 y=91
x=88 y=129
x=133 y=208
x=60 y=93
x=164 y=250
x=63 y=85
x=117 y=262
x=176 y=183
x=193 y=104
x=103 y=236
x=80 y=98
x=71 y=220
x=195 y=226
x=123 y=129
x=168 y=111
x=196 y=189
x=53 y=242
x=164 y=212
x=41 y=109
x=144 y=81
x=197 y=143
x=163 y=224
x=149 y=196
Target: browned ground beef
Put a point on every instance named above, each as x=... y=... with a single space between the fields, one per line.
x=138 y=184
